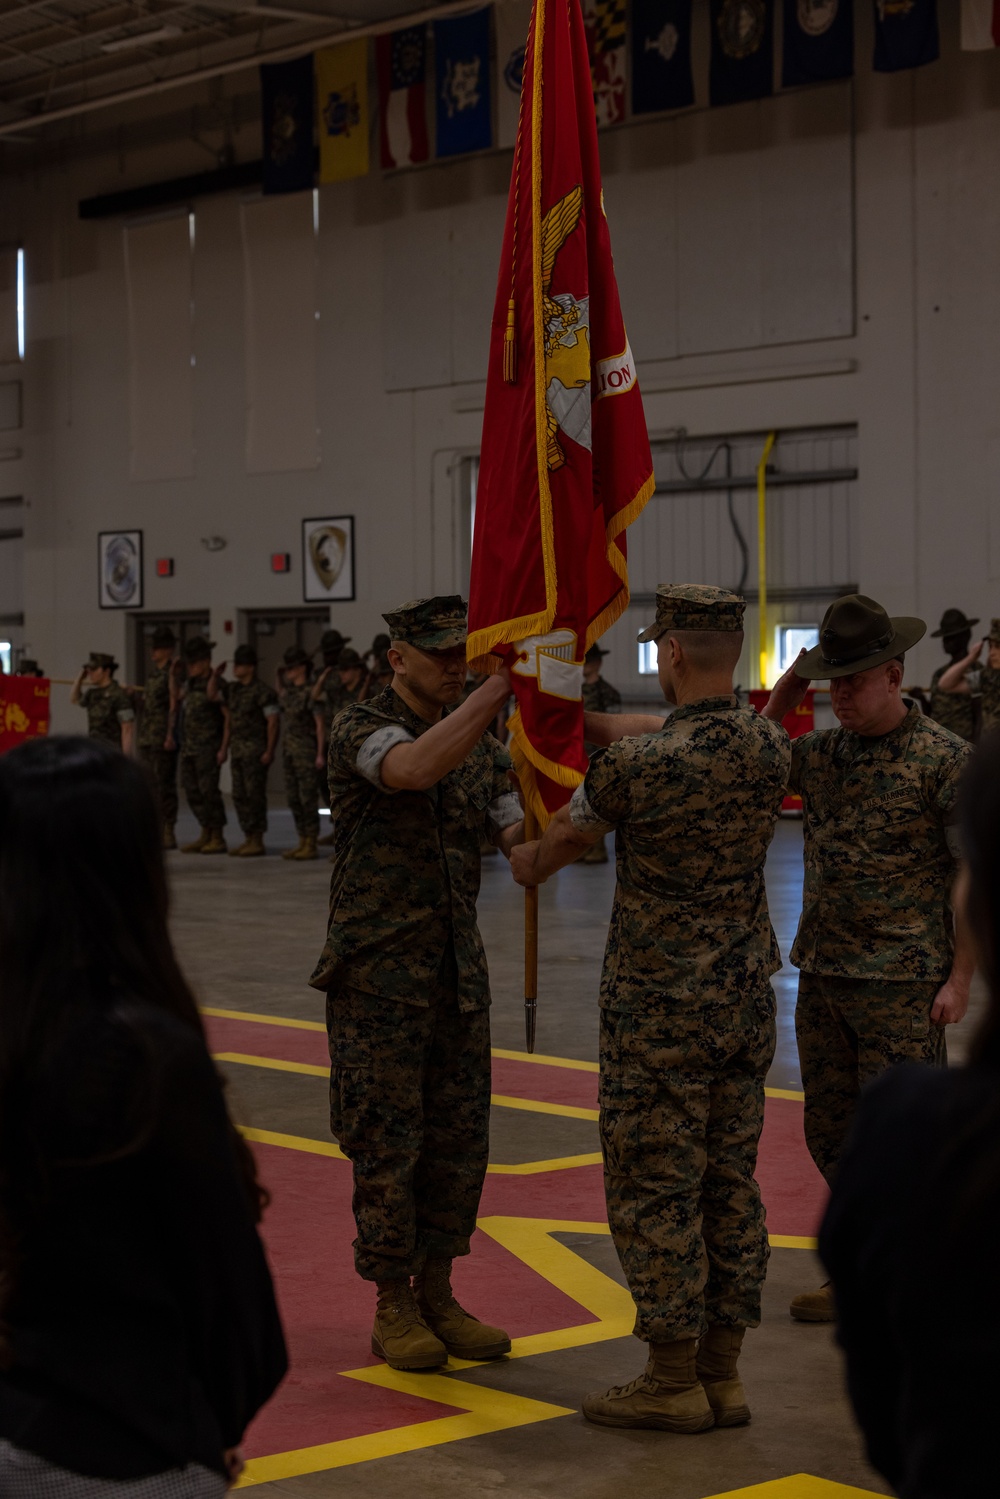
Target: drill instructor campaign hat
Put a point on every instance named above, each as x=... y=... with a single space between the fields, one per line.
x=857 y=634
x=596 y=654
x=953 y=622
x=244 y=655
x=349 y=660
x=198 y=648
x=163 y=638
x=296 y=656
x=98 y=660
x=437 y=624
x=694 y=606
x=331 y=642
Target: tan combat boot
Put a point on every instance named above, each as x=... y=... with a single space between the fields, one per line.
x=293 y=853
x=814 y=1306
x=169 y=838
x=216 y=843
x=463 y=1335
x=237 y=853
x=667 y=1396
x=307 y=848
x=718 y=1353
x=400 y=1335
x=253 y=848
x=198 y=844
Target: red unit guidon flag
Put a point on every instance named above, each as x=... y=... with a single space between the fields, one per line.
x=24 y=709
x=565 y=462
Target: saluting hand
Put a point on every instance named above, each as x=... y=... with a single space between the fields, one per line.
x=522 y=863
x=787 y=693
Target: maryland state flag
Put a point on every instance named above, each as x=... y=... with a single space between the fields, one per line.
x=565 y=462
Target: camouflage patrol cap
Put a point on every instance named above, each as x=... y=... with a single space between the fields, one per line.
x=99 y=660
x=244 y=655
x=994 y=636
x=198 y=648
x=694 y=606
x=437 y=624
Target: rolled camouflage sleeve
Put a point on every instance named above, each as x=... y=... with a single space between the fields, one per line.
x=944 y=797
x=374 y=749
x=504 y=809
x=603 y=800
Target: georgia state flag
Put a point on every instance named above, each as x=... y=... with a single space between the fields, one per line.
x=401 y=64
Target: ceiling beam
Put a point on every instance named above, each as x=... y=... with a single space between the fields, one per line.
x=282 y=53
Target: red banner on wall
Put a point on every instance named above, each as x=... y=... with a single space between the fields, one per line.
x=24 y=709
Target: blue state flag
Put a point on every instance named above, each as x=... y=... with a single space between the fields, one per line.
x=906 y=34
x=462 y=84
x=661 y=55
x=287 y=112
x=818 y=41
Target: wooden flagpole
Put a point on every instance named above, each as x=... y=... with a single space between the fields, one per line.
x=530 y=944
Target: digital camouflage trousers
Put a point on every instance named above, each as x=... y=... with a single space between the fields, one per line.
x=250 y=792
x=410 y=1108
x=682 y=1107
x=300 y=790
x=849 y=1031
x=162 y=764
x=200 y=779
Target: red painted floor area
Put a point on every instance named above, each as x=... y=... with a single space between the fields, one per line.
x=328 y=1312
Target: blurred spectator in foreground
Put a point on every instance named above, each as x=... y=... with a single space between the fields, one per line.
x=138 y=1327
x=911 y=1233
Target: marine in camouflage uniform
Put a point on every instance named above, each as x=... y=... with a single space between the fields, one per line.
x=407 y=985
x=989 y=681
x=953 y=711
x=108 y=706
x=253 y=709
x=875 y=944
x=156 y=728
x=687 y=1012
x=204 y=738
x=328 y=694
x=302 y=749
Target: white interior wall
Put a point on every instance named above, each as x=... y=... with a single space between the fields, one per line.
x=822 y=259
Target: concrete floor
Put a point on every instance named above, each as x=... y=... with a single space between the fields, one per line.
x=248 y=933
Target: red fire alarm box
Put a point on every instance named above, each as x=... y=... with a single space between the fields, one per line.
x=799 y=721
x=164 y=567
x=281 y=562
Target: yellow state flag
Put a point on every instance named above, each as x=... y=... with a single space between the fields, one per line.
x=342 y=88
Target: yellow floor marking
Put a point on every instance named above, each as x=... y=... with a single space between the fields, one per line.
x=789 y=1241
x=539 y=1106
x=799 y=1486
x=543 y=1061
x=328 y=1148
x=483 y=1410
x=500 y=1101
x=784 y=1093
x=295 y=1025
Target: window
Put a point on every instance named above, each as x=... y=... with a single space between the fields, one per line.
x=647 y=658
x=5 y=656
x=20 y=304
x=792 y=639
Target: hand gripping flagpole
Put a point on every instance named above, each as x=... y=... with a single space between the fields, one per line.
x=530 y=944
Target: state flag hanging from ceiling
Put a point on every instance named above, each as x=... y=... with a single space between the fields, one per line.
x=286 y=110
x=401 y=67
x=565 y=462
x=980 y=25
x=462 y=77
x=604 y=26
x=818 y=42
x=342 y=94
x=742 y=57
x=906 y=34
x=661 y=55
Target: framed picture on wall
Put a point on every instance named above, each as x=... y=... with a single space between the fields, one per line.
x=328 y=559
x=119 y=562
